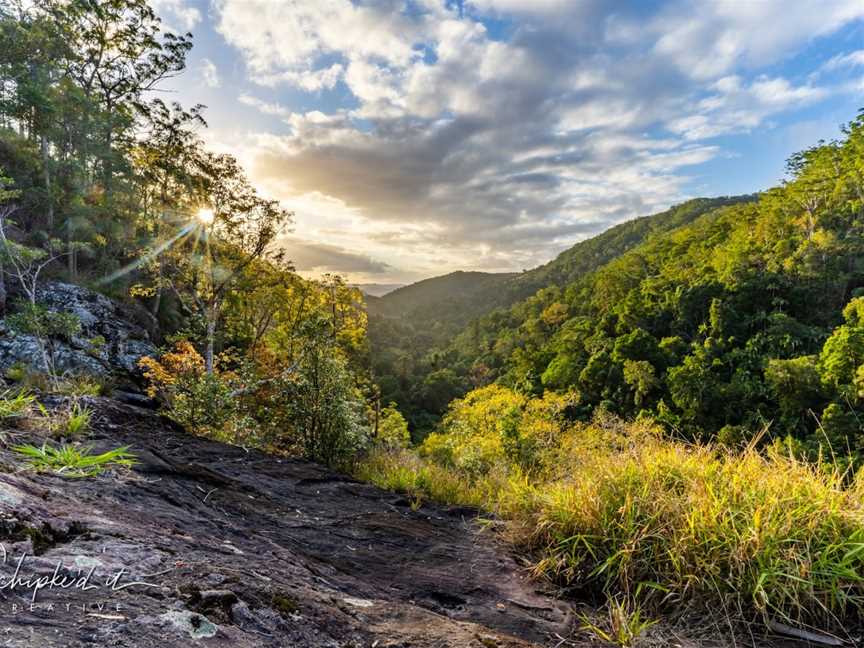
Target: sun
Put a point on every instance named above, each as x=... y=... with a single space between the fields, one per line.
x=205 y=216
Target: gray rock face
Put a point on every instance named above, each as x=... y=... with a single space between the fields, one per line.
x=110 y=342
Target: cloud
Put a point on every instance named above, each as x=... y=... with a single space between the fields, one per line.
x=210 y=74
x=459 y=144
x=268 y=108
x=290 y=38
x=176 y=15
x=708 y=39
x=850 y=60
x=312 y=257
x=736 y=107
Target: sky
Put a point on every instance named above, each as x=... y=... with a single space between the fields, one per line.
x=412 y=138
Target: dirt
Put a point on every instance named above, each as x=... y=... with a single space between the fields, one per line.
x=244 y=549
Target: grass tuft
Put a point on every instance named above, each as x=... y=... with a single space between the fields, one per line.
x=15 y=404
x=74 y=461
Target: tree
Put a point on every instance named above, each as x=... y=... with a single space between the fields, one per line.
x=232 y=235
x=392 y=429
x=323 y=415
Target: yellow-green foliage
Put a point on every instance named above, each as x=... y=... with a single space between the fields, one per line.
x=392 y=429
x=494 y=424
x=622 y=509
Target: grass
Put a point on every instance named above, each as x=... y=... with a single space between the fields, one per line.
x=71 y=422
x=624 y=626
x=620 y=510
x=15 y=403
x=76 y=420
x=74 y=461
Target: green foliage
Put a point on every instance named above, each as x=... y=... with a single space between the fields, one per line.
x=491 y=316
x=75 y=421
x=324 y=416
x=392 y=429
x=35 y=319
x=15 y=404
x=74 y=461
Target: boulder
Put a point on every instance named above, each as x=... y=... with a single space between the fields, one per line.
x=111 y=342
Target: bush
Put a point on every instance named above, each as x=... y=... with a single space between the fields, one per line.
x=202 y=403
x=37 y=320
x=312 y=409
x=321 y=415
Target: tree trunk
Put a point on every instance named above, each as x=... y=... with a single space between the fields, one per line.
x=46 y=176
x=3 y=293
x=70 y=249
x=211 y=341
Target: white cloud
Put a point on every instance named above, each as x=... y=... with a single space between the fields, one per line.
x=461 y=146
x=707 y=39
x=210 y=74
x=176 y=15
x=850 y=60
x=736 y=107
x=280 y=37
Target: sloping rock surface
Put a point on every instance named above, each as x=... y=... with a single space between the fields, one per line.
x=243 y=549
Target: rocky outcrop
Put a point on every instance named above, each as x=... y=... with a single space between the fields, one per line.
x=242 y=549
x=110 y=342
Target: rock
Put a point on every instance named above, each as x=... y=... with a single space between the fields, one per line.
x=111 y=342
x=197 y=626
x=322 y=561
x=358 y=602
x=131 y=398
x=217 y=597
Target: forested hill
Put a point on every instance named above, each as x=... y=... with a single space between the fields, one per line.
x=451 y=300
x=590 y=254
x=716 y=317
x=744 y=318
x=410 y=328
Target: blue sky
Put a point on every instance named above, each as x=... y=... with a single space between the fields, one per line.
x=413 y=138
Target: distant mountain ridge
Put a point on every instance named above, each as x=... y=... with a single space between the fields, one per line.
x=377 y=289
x=461 y=296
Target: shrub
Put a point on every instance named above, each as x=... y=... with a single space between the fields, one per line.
x=35 y=319
x=201 y=402
x=319 y=414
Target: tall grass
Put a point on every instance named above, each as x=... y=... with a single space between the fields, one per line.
x=620 y=510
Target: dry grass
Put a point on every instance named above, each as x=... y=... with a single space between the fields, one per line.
x=620 y=510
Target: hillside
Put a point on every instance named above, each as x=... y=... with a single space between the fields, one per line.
x=590 y=254
x=742 y=318
x=411 y=329
x=443 y=304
